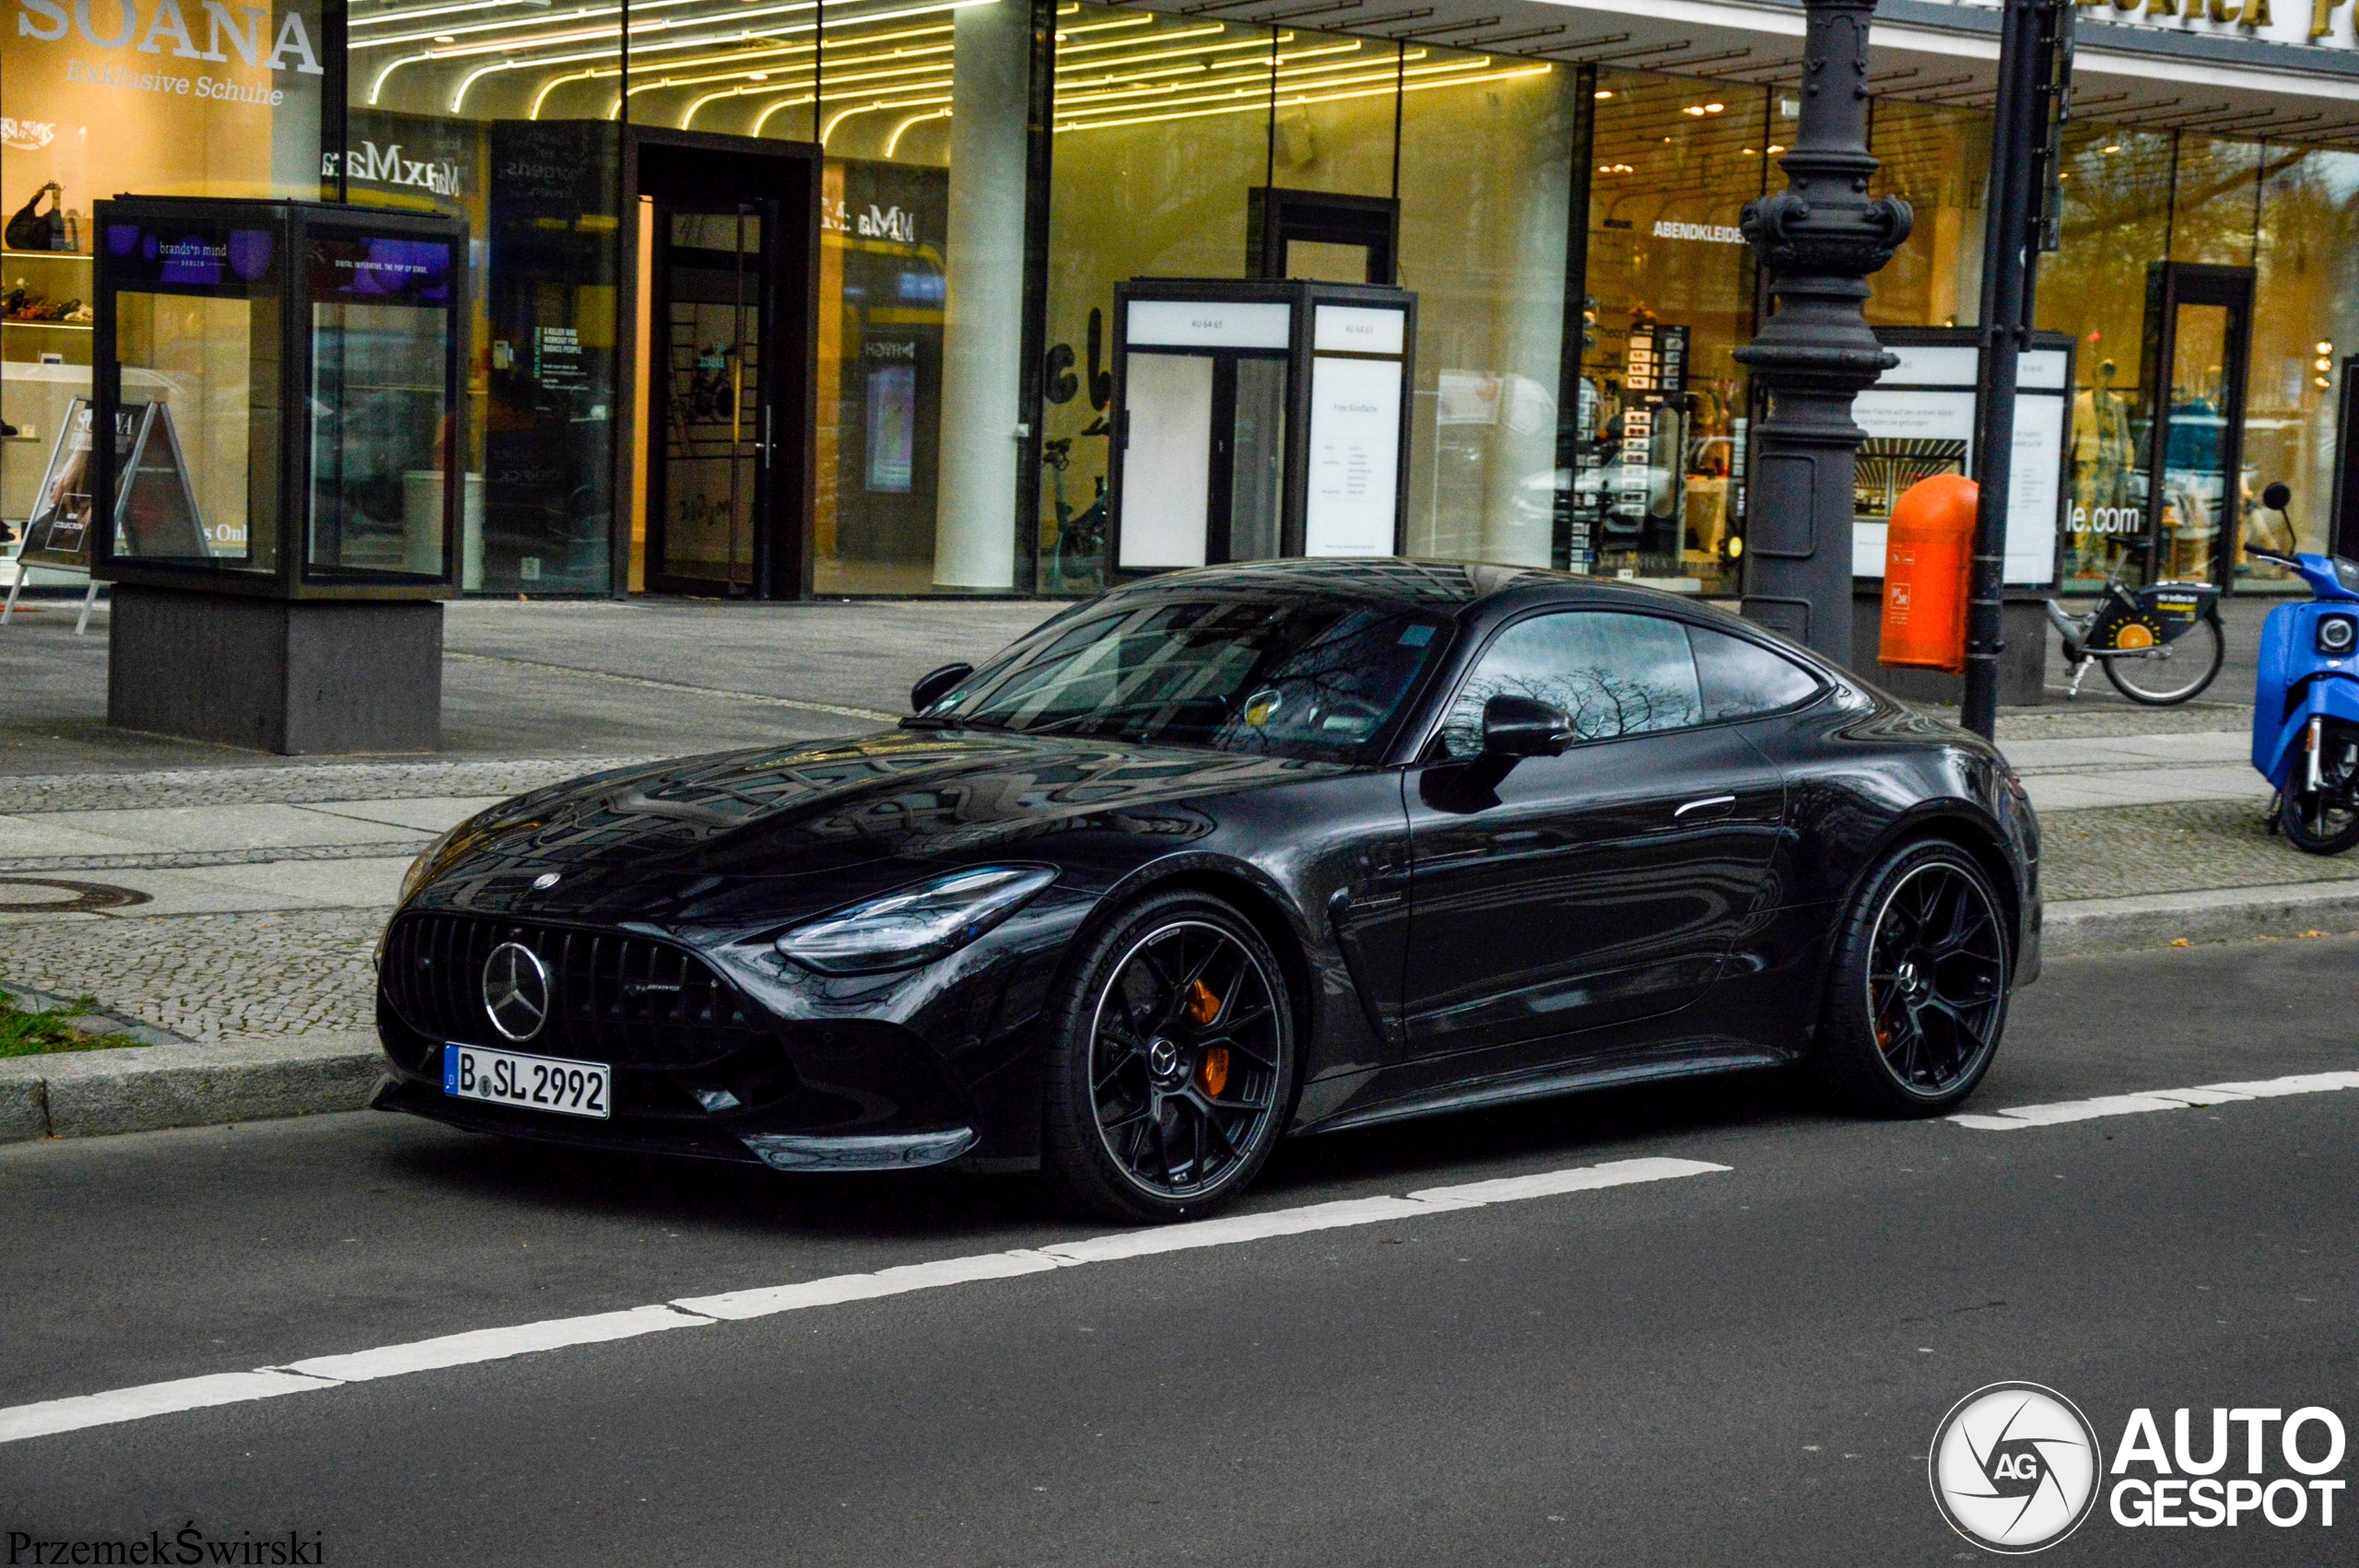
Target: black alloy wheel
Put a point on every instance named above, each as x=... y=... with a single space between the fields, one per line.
x=1172 y=1068
x=1917 y=996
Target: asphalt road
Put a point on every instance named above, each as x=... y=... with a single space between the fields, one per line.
x=1743 y=1366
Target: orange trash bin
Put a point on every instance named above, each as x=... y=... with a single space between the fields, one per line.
x=1929 y=552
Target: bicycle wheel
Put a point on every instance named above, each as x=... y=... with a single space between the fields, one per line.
x=2171 y=672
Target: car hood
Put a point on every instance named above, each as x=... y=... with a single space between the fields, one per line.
x=813 y=810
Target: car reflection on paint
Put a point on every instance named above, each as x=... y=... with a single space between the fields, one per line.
x=1235 y=853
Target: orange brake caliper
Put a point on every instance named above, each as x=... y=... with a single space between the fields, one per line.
x=1202 y=1008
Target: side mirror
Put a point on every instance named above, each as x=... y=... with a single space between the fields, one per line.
x=2276 y=497
x=936 y=684
x=1519 y=726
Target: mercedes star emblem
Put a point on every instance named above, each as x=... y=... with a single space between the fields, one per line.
x=516 y=990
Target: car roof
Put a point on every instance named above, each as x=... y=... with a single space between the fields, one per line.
x=1396 y=582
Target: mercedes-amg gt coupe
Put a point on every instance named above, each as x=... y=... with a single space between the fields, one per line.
x=1228 y=854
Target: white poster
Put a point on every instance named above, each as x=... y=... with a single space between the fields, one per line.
x=1919 y=421
x=1166 y=464
x=1355 y=457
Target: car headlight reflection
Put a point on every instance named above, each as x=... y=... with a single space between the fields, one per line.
x=913 y=925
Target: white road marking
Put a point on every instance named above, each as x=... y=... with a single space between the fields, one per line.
x=53 y=1416
x=2014 y=1118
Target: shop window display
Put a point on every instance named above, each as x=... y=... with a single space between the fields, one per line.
x=2116 y=189
x=1937 y=159
x=506 y=121
x=2306 y=323
x=1485 y=173
x=1164 y=127
x=236 y=113
x=1659 y=484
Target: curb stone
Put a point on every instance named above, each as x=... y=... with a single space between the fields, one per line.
x=171 y=1082
x=2083 y=926
x=145 y=1088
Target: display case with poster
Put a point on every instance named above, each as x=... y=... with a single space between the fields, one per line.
x=283 y=381
x=1919 y=421
x=279 y=388
x=1258 y=419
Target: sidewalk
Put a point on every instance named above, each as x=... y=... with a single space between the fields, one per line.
x=228 y=905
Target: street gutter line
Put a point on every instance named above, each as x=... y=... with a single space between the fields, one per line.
x=53 y=1416
x=2016 y=1118
x=761 y=699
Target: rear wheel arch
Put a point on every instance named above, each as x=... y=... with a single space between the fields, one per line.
x=1977 y=838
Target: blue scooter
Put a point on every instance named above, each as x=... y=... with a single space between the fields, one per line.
x=2305 y=701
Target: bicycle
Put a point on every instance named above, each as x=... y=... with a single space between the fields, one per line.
x=2160 y=646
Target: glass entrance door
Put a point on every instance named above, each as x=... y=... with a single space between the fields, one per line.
x=708 y=485
x=2198 y=493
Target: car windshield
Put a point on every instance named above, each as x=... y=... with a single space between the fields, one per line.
x=2347 y=570
x=1299 y=677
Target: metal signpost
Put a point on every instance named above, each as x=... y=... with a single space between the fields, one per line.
x=2034 y=84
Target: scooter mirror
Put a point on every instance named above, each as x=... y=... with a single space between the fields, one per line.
x=2276 y=497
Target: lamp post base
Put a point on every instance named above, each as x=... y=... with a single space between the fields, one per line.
x=297 y=678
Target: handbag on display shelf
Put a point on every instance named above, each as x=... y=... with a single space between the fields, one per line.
x=32 y=230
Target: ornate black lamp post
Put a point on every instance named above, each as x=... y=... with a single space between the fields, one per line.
x=1820 y=238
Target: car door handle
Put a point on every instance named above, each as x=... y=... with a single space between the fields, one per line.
x=1716 y=804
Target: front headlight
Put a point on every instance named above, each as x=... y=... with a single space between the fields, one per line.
x=421 y=870
x=914 y=925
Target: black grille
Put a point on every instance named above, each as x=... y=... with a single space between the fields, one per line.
x=631 y=1001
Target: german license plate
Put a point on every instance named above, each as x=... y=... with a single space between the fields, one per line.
x=533 y=1082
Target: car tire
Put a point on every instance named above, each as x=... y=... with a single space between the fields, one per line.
x=1917 y=992
x=1171 y=1070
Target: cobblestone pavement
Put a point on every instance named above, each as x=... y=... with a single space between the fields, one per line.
x=213 y=978
x=2182 y=846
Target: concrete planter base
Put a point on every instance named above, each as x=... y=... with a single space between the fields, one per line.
x=296 y=678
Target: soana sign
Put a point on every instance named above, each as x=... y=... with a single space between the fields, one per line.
x=163 y=29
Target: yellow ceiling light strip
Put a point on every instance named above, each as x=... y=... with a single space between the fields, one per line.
x=893 y=142
x=828 y=128
x=764 y=118
x=464 y=7
x=1305 y=80
x=1107 y=72
x=787 y=81
x=546 y=18
x=458 y=99
x=799 y=79
x=1136 y=19
x=1261 y=104
x=1209 y=29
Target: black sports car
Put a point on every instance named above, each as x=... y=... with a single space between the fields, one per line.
x=1287 y=846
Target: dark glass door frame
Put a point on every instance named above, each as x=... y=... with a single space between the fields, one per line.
x=754 y=296
x=2170 y=284
x=2342 y=535
x=695 y=171
x=1275 y=218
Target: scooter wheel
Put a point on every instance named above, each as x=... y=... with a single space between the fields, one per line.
x=2320 y=821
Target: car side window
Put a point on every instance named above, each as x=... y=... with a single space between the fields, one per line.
x=1612 y=673
x=1742 y=678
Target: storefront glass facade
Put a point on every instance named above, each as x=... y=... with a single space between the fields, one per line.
x=1569 y=231
x=163 y=98
x=1167 y=125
